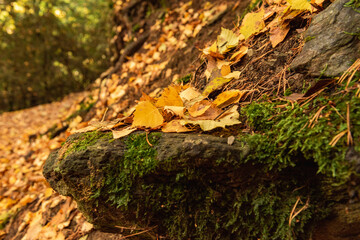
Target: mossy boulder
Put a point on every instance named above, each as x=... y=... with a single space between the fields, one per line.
x=189 y=186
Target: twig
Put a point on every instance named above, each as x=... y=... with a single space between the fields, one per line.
x=104 y=115
x=349 y=137
x=337 y=138
x=147 y=139
x=293 y=215
x=135 y=234
x=316 y=117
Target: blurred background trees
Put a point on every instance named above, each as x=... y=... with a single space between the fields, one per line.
x=49 y=48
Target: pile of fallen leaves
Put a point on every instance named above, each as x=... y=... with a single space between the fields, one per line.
x=178 y=109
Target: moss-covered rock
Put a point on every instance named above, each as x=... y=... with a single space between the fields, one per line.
x=189 y=186
x=276 y=183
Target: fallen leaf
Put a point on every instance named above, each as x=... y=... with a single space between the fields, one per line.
x=199 y=108
x=189 y=94
x=239 y=54
x=300 y=5
x=204 y=110
x=225 y=70
x=278 y=33
x=226 y=40
x=227 y=98
x=170 y=97
x=175 y=126
x=294 y=96
x=252 y=23
x=123 y=132
x=147 y=115
x=215 y=84
x=211 y=65
x=145 y=97
x=206 y=125
x=234 y=74
x=321 y=84
x=176 y=110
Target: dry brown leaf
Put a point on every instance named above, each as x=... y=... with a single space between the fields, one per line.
x=211 y=65
x=122 y=132
x=278 y=33
x=236 y=57
x=206 y=125
x=147 y=115
x=294 y=96
x=176 y=110
x=199 y=108
x=175 y=126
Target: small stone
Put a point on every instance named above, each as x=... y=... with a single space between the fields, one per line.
x=230 y=140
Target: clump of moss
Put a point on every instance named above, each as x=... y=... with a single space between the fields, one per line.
x=87 y=139
x=282 y=135
x=139 y=160
x=185 y=79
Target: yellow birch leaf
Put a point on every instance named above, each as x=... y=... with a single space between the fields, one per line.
x=300 y=5
x=218 y=82
x=147 y=115
x=226 y=40
x=227 y=98
x=253 y=23
x=48 y=192
x=225 y=70
x=170 y=97
x=213 y=47
x=214 y=84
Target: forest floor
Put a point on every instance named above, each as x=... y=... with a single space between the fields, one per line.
x=29 y=208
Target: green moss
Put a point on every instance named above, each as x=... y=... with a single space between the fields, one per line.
x=283 y=135
x=354 y=4
x=309 y=38
x=139 y=160
x=185 y=79
x=87 y=139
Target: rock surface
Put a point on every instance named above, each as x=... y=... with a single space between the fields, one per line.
x=331 y=42
x=190 y=186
